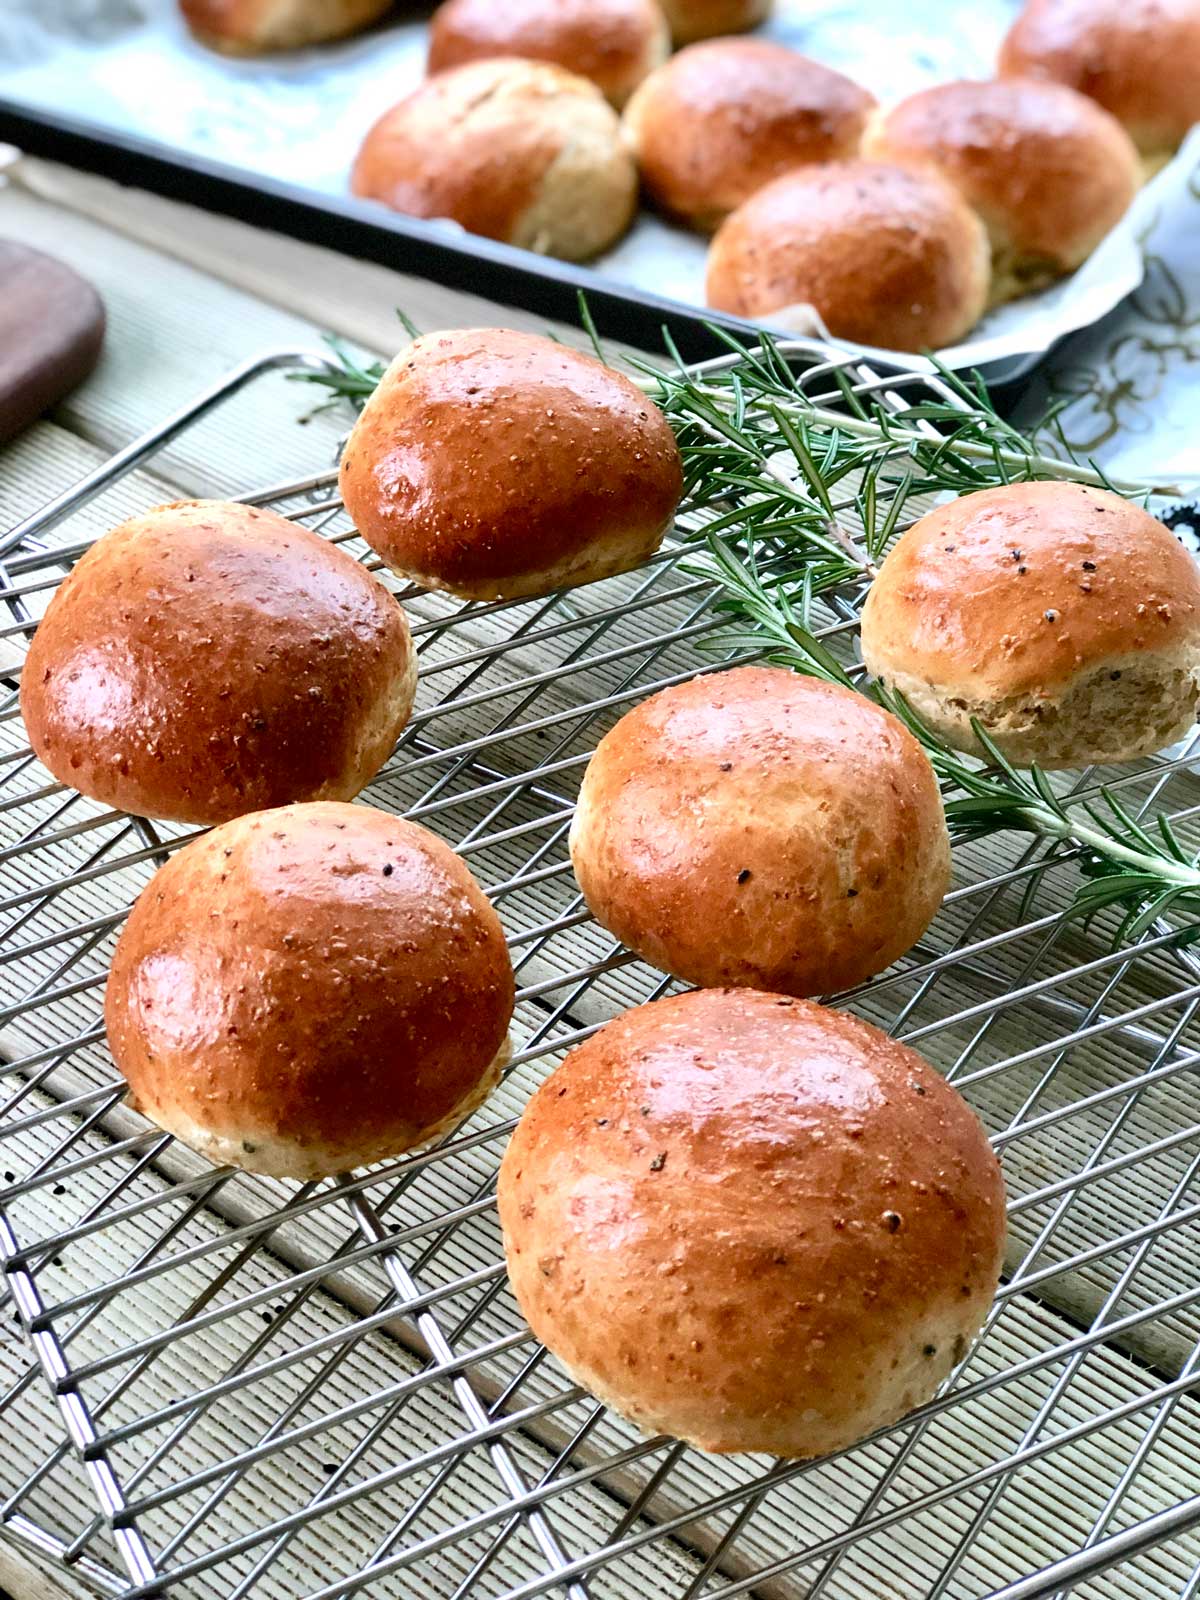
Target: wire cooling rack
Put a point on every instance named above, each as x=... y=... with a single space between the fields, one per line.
x=219 y=1385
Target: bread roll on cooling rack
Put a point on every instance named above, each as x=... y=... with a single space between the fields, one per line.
x=210 y=658
x=1049 y=172
x=702 y=19
x=614 y=43
x=721 y=119
x=762 y=829
x=519 y=151
x=885 y=256
x=752 y=1223
x=1139 y=59
x=310 y=989
x=1064 y=619
x=495 y=464
x=251 y=27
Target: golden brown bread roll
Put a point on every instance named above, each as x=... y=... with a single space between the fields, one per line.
x=207 y=659
x=519 y=151
x=762 y=829
x=250 y=27
x=752 y=1223
x=1139 y=59
x=887 y=257
x=700 y=19
x=495 y=464
x=721 y=119
x=614 y=43
x=1049 y=172
x=310 y=989
x=1065 y=619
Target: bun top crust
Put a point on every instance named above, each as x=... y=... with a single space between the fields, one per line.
x=1018 y=589
x=210 y=658
x=1139 y=59
x=487 y=454
x=888 y=257
x=1047 y=169
x=727 y=1211
x=722 y=118
x=324 y=981
x=614 y=43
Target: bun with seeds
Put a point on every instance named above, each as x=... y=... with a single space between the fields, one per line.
x=1064 y=619
x=752 y=1223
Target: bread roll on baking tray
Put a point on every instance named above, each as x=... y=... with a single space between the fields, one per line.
x=519 y=151
x=310 y=989
x=1049 y=172
x=495 y=464
x=1139 y=59
x=210 y=658
x=1064 y=619
x=701 y=19
x=887 y=257
x=762 y=829
x=614 y=43
x=752 y=1223
x=250 y=27
x=721 y=119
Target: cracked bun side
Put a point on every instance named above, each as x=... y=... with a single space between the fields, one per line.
x=1064 y=619
x=761 y=829
x=310 y=989
x=210 y=658
x=751 y=1222
x=520 y=151
x=496 y=464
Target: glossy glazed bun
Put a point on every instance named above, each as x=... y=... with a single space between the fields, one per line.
x=496 y=464
x=1139 y=59
x=752 y=1223
x=885 y=256
x=310 y=989
x=701 y=19
x=251 y=27
x=614 y=43
x=210 y=658
x=721 y=119
x=519 y=151
x=1049 y=172
x=762 y=829
x=1064 y=619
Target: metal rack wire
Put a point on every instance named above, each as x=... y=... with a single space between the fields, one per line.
x=225 y=1386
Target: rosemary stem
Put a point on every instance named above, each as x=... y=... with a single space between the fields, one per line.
x=1045 y=822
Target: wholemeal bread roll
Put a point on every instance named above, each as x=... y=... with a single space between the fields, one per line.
x=519 y=151
x=752 y=1223
x=1140 y=59
x=614 y=43
x=721 y=119
x=1049 y=172
x=764 y=830
x=310 y=989
x=1064 y=619
x=495 y=464
x=207 y=659
x=701 y=19
x=887 y=257
x=250 y=27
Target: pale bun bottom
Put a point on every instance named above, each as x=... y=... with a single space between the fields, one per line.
x=276 y=1157
x=1128 y=707
x=601 y=559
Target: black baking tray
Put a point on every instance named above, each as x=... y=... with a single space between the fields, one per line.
x=540 y=284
